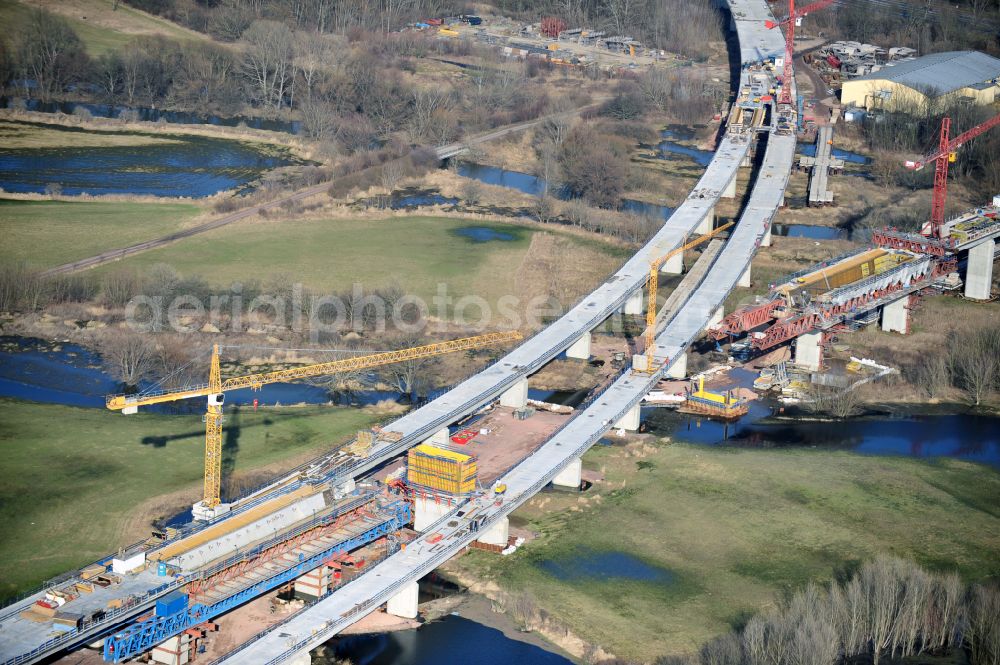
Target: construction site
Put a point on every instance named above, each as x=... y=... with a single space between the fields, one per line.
x=346 y=536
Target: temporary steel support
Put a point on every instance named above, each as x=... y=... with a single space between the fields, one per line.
x=143 y=636
x=746 y=319
x=911 y=242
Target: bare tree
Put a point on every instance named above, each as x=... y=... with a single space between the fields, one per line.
x=128 y=356
x=975 y=361
x=268 y=61
x=983 y=630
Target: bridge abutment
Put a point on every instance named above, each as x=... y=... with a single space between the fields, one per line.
x=979 y=271
x=571 y=476
x=580 y=348
x=516 y=397
x=808 y=351
x=404 y=603
x=630 y=421
x=896 y=316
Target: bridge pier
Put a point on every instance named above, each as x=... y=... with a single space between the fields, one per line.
x=717 y=317
x=630 y=421
x=674 y=265
x=404 y=603
x=745 y=278
x=634 y=304
x=896 y=317
x=428 y=509
x=766 y=240
x=580 y=348
x=315 y=583
x=300 y=659
x=729 y=191
x=808 y=351
x=438 y=438
x=707 y=223
x=979 y=271
x=571 y=476
x=516 y=397
x=497 y=534
x=679 y=368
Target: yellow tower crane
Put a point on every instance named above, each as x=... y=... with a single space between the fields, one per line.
x=652 y=282
x=216 y=387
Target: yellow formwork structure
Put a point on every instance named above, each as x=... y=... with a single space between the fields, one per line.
x=441 y=470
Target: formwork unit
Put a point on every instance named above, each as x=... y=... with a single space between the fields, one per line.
x=441 y=470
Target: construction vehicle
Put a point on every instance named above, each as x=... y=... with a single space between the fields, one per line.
x=945 y=154
x=211 y=505
x=648 y=366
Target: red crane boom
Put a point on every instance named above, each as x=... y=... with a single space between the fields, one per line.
x=794 y=16
x=942 y=156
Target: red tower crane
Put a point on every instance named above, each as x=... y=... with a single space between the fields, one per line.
x=942 y=156
x=794 y=18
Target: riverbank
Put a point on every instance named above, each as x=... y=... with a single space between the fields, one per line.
x=678 y=540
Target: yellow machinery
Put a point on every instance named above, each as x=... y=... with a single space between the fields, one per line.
x=216 y=387
x=653 y=281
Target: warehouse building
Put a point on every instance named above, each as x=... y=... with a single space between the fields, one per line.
x=967 y=75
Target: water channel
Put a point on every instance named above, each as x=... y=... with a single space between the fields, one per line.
x=189 y=166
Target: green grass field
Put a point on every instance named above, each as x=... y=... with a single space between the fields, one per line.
x=101 y=26
x=737 y=528
x=49 y=233
x=330 y=255
x=74 y=481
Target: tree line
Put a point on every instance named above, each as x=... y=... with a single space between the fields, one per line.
x=888 y=609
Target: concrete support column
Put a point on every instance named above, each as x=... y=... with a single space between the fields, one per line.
x=580 y=348
x=630 y=421
x=707 y=223
x=439 y=438
x=674 y=265
x=427 y=510
x=634 y=304
x=516 y=397
x=404 y=603
x=716 y=317
x=745 y=278
x=895 y=316
x=808 y=352
x=979 y=272
x=497 y=534
x=571 y=476
x=747 y=161
x=300 y=659
x=729 y=191
x=766 y=240
x=679 y=368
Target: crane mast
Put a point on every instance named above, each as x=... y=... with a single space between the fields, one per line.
x=787 y=70
x=944 y=155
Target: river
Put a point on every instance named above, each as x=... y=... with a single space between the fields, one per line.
x=187 y=165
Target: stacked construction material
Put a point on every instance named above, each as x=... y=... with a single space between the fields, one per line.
x=441 y=470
